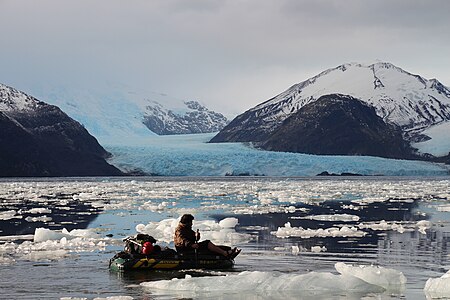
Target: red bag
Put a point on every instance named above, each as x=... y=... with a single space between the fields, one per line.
x=147 y=248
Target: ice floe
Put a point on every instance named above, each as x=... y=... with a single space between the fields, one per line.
x=400 y=227
x=288 y=231
x=261 y=210
x=43 y=219
x=318 y=249
x=438 y=287
x=100 y=298
x=444 y=208
x=331 y=218
x=362 y=279
x=389 y=279
x=52 y=245
x=9 y=214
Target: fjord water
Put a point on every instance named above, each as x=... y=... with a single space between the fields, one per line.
x=400 y=223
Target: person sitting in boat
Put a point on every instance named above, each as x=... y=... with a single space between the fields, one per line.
x=186 y=239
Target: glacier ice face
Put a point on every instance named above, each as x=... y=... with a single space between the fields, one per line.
x=191 y=155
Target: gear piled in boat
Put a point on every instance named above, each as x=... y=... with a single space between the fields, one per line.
x=140 y=253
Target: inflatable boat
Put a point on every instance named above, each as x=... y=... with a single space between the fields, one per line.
x=133 y=259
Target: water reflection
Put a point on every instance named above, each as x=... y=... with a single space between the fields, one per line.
x=51 y=211
x=394 y=210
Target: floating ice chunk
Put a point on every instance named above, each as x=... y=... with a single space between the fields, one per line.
x=336 y=217
x=295 y=250
x=85 y=196
x=43 y=234
x=369 y=200
x=279 y=248
x=264 y=282
x=9 y=214
x=84 y=233
x=288 y=231
x=39 y=210
x=116 y=298
x=438 y=287
x=51 y=249
x=100 y=298
x=228 y=222
x=318 y=249
x=154 y=207
x=444 y=208
x=262 y=210
x=17 y=237
x=44 y=219
x=383 y=226
x=352 y=207
x=6 y=260
x=423 y=225
x=389 y=279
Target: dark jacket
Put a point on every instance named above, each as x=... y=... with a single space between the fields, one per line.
x=184 y=237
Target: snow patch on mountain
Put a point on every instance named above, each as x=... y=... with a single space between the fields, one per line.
x=398 y=96
x=15 y=100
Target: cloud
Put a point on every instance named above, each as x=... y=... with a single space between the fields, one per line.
x=228 y=54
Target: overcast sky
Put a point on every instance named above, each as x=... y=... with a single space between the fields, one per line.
x=230 y=55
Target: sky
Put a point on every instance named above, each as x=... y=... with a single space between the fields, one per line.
x=228 y=54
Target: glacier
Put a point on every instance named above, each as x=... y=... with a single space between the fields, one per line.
x=192 y=155
x=439 y=144
x=116 y=113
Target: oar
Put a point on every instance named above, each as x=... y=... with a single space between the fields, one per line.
x=196 y=252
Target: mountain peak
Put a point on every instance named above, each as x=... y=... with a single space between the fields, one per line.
x=13 y=100
x=399 y=97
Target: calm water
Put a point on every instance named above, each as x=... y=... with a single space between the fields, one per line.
x=113 y=207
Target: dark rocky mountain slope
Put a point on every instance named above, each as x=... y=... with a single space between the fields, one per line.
x=339 y=125
x=38 y=139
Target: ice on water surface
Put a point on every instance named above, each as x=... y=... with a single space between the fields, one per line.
x=362 y=279
x=383 y=221
x=438 y=287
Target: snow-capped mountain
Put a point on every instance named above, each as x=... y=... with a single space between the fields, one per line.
x=195 y=119
x=399 y=97
x=120 y=114
x=38 y=139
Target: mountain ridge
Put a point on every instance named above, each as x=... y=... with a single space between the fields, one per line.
x=339 y=125
x=38 y=139
x=399 y=97
x=118 y=114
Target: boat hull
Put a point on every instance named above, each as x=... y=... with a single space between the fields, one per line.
x=178 y=262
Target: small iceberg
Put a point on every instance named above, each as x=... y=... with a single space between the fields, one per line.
x=350 y=280
x=438 y=287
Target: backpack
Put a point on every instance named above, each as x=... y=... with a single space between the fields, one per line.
x=133 y=245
